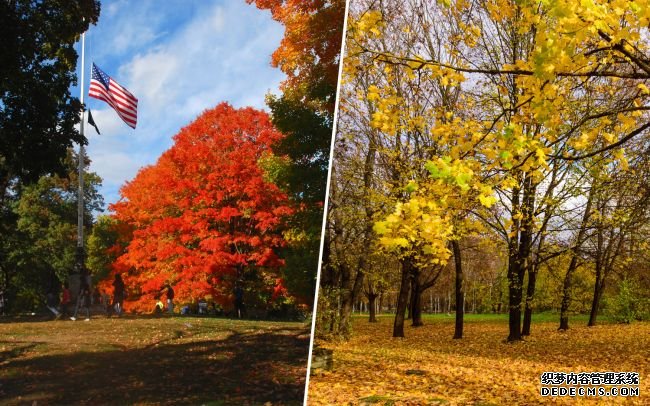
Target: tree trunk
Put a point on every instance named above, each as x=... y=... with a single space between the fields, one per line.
x=417 y=308
x=566 y=288
x=530 y=292
x=381 y=302
x=514 y=281
x=460 y=297
x=416 y=298
x=474 y=299
x=409 y=303
x=332 y=323
x=519 y=254
x=514 y=306
x=448 y=302
x=402 y=299
x=598 y=290
x=349 y=295
x=605 y=263
x=566 y=293
x=600 y=258
x=372 y=301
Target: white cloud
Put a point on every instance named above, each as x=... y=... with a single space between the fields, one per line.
x=112 y=8
x=218 y=54
x=153 y=76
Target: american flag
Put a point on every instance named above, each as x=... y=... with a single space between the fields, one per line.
x=103 y=87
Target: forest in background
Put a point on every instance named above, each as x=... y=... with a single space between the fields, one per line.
x=490 y=156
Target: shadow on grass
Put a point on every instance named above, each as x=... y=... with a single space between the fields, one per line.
x=16 y=351
x=240 y=369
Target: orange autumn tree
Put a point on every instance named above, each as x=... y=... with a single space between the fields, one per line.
x=205 y=215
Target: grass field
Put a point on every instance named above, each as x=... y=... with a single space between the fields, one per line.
x=429 y=367
x=578 y=319
x=144 y=361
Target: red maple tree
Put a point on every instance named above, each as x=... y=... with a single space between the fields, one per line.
x=204 y=216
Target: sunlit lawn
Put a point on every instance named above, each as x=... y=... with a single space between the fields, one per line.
x=429 y=367
x=180 y=360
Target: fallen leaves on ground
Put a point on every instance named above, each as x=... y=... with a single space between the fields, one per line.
x=429 y=367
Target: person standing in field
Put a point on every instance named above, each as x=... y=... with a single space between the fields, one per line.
x=239 y=301
x=65 y=300
x=118 y=295
x=83 y=299
x=52 y=295
x=170 y=298
x=106 y=302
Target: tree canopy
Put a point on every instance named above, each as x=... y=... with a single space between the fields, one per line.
x=37 y=111
x=205 y=217
x=495 y=119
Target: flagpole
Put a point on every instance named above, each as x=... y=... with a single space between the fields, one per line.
x=80 y=196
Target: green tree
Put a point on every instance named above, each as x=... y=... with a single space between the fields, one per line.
x=43 y=244
x=309 y=55
x=103 y=246
x=37 y=112
x=307 y=144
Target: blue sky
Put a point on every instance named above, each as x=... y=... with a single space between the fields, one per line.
x=178 y=57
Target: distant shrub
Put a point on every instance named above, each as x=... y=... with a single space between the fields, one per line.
x=629 y=304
